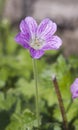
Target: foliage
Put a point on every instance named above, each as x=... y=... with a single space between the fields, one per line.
x=17 y=92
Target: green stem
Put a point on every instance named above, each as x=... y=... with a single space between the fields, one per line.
x=36 y=88
x=61 y=105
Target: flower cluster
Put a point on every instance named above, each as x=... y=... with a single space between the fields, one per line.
x=38 y=38
x=74 y=89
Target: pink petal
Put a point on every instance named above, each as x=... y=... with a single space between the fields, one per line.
x=24 y=27
x=32 y=25
x=20 y=38
x=74 y=88
x=46 y=28
x=36 y=54
x=52 y=43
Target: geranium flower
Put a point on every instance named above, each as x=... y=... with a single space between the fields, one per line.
x=74 y=89
x=38 y=39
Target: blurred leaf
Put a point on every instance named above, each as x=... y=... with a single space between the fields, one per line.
x=23 y=121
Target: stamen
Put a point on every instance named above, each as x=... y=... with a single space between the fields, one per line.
x=37 y=43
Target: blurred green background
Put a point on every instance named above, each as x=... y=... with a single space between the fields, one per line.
x=17 y=90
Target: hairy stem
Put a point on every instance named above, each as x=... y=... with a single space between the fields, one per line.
x=36 y=88
x=61 y=105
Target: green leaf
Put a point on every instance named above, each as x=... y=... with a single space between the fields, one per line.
x=24 y=120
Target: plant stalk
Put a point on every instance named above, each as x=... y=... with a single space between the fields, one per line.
x=61 y=105
x=36 y=88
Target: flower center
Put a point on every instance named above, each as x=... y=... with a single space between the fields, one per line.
x=37 y=43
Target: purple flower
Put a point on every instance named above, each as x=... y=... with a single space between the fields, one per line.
x=38 y=39
x=74 y=89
